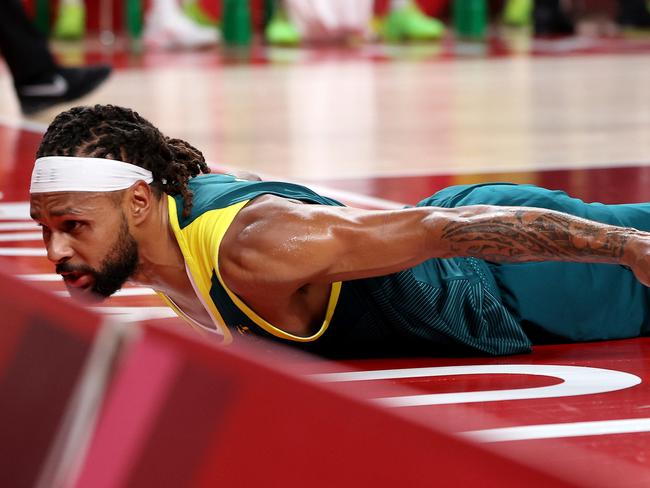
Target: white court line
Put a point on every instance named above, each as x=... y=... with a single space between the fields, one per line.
x=23 y=251
x=5 y=226
x=135 y=292
x=46 y=277
x=577 y=380
x=21 y=236
x=137 y=314
x=124 y=292
x=53 y=277
x=15 y=211
x=554 y=431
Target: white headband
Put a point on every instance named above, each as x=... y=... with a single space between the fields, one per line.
x=63 y=173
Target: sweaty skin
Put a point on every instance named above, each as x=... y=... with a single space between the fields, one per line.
x=280 y=256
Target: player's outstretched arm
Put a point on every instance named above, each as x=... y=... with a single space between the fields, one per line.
x=281 y=243
x=528 y=234
x=520 y=234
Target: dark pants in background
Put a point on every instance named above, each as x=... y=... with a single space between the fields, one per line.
x=24 y=48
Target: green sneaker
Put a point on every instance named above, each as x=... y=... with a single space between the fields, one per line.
x=281 y=32
x=411 y=24
x=195 y=12
x=518 y=13
x=71 y=22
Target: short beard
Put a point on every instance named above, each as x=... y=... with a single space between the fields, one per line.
x=120 y=264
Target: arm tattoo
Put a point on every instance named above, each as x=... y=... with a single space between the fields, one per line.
x=534 y=235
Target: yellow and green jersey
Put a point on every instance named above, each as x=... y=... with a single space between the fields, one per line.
x=439 y=306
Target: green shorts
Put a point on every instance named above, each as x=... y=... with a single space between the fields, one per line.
x=557 y=301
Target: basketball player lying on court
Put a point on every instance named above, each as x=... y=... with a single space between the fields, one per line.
x=473 y=269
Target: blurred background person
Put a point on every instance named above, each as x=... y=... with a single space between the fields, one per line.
x=407 y=22
x=166 y=25
x=557 y=17
x=339 y=20
x=40 y=82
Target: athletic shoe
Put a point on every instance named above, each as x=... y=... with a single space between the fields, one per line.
x=64 y=85
x=518 y=13
x=550 y=21
x=409 y=23
x=633 y=14
x=281 y=32
x=71 y=21
x=177 y=32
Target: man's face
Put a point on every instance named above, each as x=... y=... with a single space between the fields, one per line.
x=87 y=237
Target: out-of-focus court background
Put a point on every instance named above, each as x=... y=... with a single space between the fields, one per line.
x=91 y=401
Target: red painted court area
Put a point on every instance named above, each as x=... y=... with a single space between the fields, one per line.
x=583 y=407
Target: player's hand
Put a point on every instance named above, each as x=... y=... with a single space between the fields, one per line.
x=637 y=256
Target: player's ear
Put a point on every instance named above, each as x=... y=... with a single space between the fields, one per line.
x=140 y=200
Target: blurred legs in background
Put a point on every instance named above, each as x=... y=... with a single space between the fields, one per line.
x=280 y=30
x=330 y=20
x=633 y=14
x=517 y=13
x=71 y=20
x=550 y=19
x=407 y=22
x=321 y=20
x=166 y=26
x=38 y=79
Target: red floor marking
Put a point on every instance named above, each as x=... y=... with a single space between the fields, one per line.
x=477 y=382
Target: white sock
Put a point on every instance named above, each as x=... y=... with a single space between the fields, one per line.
x=397 y=4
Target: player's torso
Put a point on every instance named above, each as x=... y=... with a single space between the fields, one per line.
x=218 y=199
x=438 y=304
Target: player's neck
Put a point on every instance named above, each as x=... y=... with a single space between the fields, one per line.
x=161 y=265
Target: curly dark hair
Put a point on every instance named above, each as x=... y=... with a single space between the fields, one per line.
x=108 y=131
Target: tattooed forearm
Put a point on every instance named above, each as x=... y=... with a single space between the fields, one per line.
x=531 y=234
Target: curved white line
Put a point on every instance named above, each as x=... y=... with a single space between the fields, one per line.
x=577 y=380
